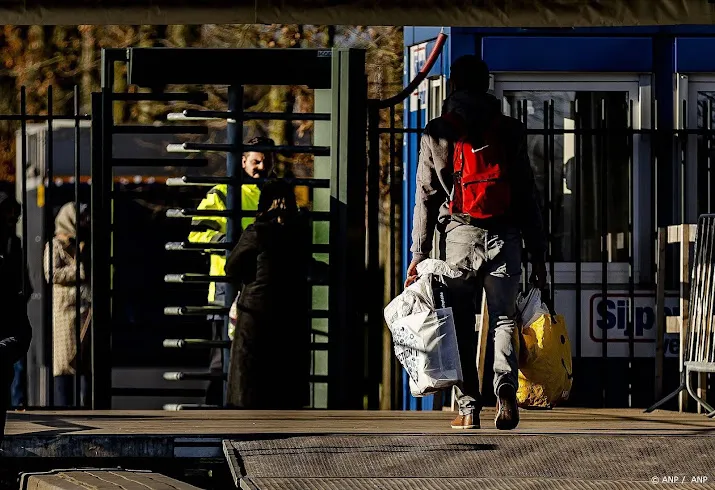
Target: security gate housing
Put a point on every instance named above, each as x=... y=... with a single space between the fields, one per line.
x=336 y=190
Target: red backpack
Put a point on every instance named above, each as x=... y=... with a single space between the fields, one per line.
x=481 y=188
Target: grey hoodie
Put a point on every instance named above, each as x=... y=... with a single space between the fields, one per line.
x=435 y=175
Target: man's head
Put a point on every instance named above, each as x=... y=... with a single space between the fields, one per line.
x=258 y=165
x=469 y=73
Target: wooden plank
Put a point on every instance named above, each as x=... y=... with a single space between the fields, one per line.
x=482 y=342
x=660 y=312
x=672 y=324
x=684 y=304
x=674 y=233
x=92 y=479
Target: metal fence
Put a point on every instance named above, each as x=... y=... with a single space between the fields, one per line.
x=131 y=288
x=608 y=180
x=39 y=169
x=699 y=352
x=602 y=207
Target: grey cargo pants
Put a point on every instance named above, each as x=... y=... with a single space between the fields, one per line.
x=490 y=259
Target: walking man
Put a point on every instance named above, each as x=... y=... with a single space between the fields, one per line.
x=475 y=182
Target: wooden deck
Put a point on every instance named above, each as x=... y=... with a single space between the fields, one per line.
x=238 y=424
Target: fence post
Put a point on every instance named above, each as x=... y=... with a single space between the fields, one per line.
x=684 y=304
x=660 y=311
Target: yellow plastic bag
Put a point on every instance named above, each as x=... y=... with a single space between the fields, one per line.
x=545 y=375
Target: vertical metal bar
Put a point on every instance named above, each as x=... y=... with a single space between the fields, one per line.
x=631 y=254
x=23 y=184
x=659 y=240
x=683 y=163
x=101 y=236
x=522 y=116
x=48 y=231
x=234 y=131
x=685 y=276
x=234 y=193
x=602 y=148
x=708 y=155
x=577 y=198
x=95 y=210
x=417 y=402
x=551 y=158
x=392 y=257
x=393 y=210
x=654 y=151
x=80 y=238
x=662 y=242
x=374 y=327
x=547 y=176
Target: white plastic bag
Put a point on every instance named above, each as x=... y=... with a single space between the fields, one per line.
x=426 y=346
x=417 y=298
x=424 y=338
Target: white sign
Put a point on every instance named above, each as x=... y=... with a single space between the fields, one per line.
x=418 y=58
x=605 y=321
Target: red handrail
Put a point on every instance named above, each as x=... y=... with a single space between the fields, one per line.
x=431 y=60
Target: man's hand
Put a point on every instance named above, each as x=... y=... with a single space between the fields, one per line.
x=538 y=274
x=412 y=272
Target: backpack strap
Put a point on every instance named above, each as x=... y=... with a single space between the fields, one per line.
x=457 y=123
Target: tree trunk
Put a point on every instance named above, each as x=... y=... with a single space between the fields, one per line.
x=87 y=66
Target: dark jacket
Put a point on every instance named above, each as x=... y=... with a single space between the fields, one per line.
x=269 y=261
x=15 y=331
x=270 y=353
x=435 y=174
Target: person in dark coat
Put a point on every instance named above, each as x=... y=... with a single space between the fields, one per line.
x=15 y=331
x=270 y=355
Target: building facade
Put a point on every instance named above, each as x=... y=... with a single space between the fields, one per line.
x=620 y=141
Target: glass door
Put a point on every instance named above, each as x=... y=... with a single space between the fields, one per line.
x=585 y=161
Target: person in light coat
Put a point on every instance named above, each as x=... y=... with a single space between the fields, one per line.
x=65 y=250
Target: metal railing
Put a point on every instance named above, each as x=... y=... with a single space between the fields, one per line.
x=608 y=179
x=699 y=352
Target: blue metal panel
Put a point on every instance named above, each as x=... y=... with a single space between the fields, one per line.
x=413 y=35
x=570 y=54
x=461 y=44
x=417 y=34
x=695 y=54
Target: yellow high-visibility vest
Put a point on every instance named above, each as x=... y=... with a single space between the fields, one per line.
x=211 y=229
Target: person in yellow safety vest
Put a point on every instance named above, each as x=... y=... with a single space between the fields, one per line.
x=212 y=229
